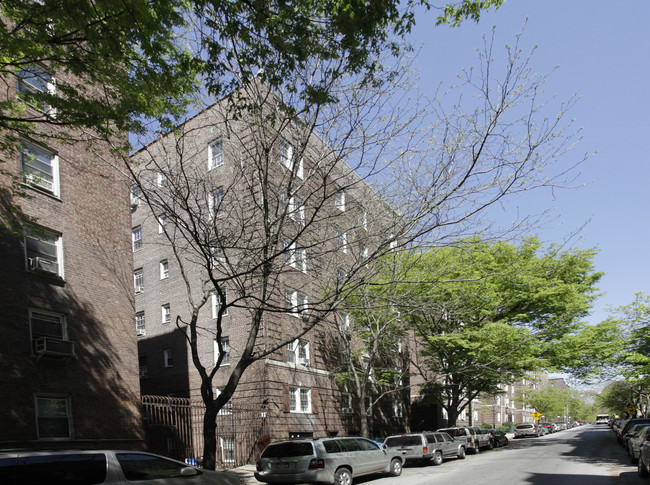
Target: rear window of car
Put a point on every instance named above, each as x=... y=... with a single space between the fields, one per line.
x=281 y=450
x=524 y=426
x=397 y=441
x=454 y=431
x=64 y=468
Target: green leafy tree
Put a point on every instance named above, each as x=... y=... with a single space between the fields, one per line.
x=485 y=313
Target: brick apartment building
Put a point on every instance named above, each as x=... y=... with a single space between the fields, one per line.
x=229 y=170
x=67 y=351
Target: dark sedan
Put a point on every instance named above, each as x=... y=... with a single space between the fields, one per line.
x=498 y=438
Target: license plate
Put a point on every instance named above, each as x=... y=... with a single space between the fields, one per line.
x=284 y=466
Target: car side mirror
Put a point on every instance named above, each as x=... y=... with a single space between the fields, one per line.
x=384 y=447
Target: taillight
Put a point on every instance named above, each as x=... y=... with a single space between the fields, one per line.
x=259 y=467
x=469 y=440
x=316 y=463
x=425 y=450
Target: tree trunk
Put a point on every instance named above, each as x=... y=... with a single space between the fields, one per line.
x=210 y=436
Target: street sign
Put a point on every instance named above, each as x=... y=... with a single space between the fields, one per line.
x=536 y=415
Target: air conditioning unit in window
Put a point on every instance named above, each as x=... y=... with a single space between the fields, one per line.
x=43 y=265
x=51 y=347
x=140 y=332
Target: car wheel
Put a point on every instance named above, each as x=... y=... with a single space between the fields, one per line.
x=643 y=471
x=343 y=476
x=476 y=449
x=461 y=453
x=437 y=458
x=395 y=467
x=490 y=445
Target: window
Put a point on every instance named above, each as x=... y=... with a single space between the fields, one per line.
x=217 y=250
x=344 y=321
x=363 y=253
x=164 y=269
x=166 y=313
x=162 y=179
x=298 y=352
x=227 y=407
x=225 y=344
x=341 y=240
x=136 y=238
x=54 y=419
x=339 y=199
x=138 y=280
x=44 y=251
x=143 y=365
x=398 y=412
x=136 y=195
x=295 y=256
x=214 y=200
x=295 y=302
x=296 y=209
x=392 y=244
x=299 y=399
x=40 y=167
x=46 y=324
x=139 y=324
x=162 y=223
x=346 y=403
x=288 y=158
x=168 y=361
x=363 y=218
x=36 y=81
x=228 y=449
x=215 y=154
x=216 y=302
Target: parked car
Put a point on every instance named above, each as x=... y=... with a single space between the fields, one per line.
x=643 y=465
x=548 y=427
x=475 y=436
x=527 y=429
x=626 y=427
x=428 y=447
x=499 y=438
x=562 y=425
x=328 y=460
x=76 y=467
x=635 y=439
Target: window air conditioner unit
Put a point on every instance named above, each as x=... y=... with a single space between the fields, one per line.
x=51 y=347
x=42 y=265
x=140 y=332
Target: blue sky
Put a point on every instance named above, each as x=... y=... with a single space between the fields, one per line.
x=602 y=50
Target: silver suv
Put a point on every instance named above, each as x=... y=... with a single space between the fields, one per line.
x=327 y=460
x=86 y=467
x=426 y=447
x=475 y=437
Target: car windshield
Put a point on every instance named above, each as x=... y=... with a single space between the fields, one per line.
x=396 y=441
x=524 y=426
x=282 y=450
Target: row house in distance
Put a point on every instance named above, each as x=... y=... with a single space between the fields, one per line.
x=249 y=222
x=67 y=350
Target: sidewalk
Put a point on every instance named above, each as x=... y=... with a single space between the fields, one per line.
x=245 y=472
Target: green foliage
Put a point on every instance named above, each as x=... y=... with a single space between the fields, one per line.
x=487 y=313
x=467 y=9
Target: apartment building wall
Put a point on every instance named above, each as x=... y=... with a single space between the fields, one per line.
x=268 y=384
x=68 y=283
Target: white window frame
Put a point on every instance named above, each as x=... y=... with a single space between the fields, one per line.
x=346 y=403
x=32 y=155
x=216 y=303
x=339 y=199
x=162 y=223
x=215 y=154
x=296 y=209
x=136 y=238
x=296 y=302
x=341 y=240
x=344 y=321
x=227 y=449
x=298 y=352
x=363 y=253
x=140 y=324
x=215 y=199
x=138 y=280
x=164 y=269
x=398 y=409
x=136 y=194
x=41 y=237
x=168 y=358
x=47 y=85
x=295 y=256
x=363 y=218
x=161 y=178
x=225 y=343
x=166 y=313
x=56 y=319
x=299 y=399
x=62 y=400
